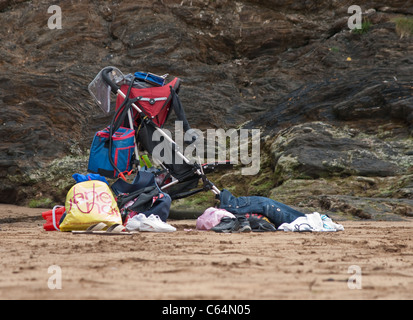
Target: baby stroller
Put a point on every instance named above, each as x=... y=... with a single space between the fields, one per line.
x=144 y=102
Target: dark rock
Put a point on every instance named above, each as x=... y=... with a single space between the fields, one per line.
x=274 y=63
x=368 y=208
x=317 y=150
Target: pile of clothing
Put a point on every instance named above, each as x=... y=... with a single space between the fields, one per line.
x=260 y=214
x=123 y=208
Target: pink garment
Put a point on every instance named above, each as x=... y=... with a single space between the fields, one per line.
x=212 y=217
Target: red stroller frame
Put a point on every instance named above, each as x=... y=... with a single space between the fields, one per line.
x=147 y=110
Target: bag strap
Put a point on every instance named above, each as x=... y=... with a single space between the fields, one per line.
x=54 y=217
x=117 y=121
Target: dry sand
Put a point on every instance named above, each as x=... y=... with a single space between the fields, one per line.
x=190 y=264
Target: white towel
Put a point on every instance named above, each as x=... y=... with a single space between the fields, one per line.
x=313 y=222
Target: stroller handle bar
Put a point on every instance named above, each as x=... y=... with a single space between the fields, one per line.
x=106 y=78
x=116 y=90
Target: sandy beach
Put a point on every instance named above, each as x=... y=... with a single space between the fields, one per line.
x=369 y=260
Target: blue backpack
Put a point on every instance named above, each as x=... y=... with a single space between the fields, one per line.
x=121 y=152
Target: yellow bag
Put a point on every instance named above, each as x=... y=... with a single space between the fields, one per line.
x=89 y=203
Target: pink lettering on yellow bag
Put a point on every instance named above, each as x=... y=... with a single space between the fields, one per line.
x=89 y=203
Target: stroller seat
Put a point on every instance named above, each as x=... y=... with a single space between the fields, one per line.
x=154 y=101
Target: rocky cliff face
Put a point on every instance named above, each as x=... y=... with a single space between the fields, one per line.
x=291 y=68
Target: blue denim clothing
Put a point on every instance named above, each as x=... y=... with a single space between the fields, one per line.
x=276 y=212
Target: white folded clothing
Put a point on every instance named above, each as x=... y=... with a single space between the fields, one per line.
x=152 y=223
x=313 y=222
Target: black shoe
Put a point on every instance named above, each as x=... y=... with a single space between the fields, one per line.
x=227 y=225
x=244 y=224
x=260 y=223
